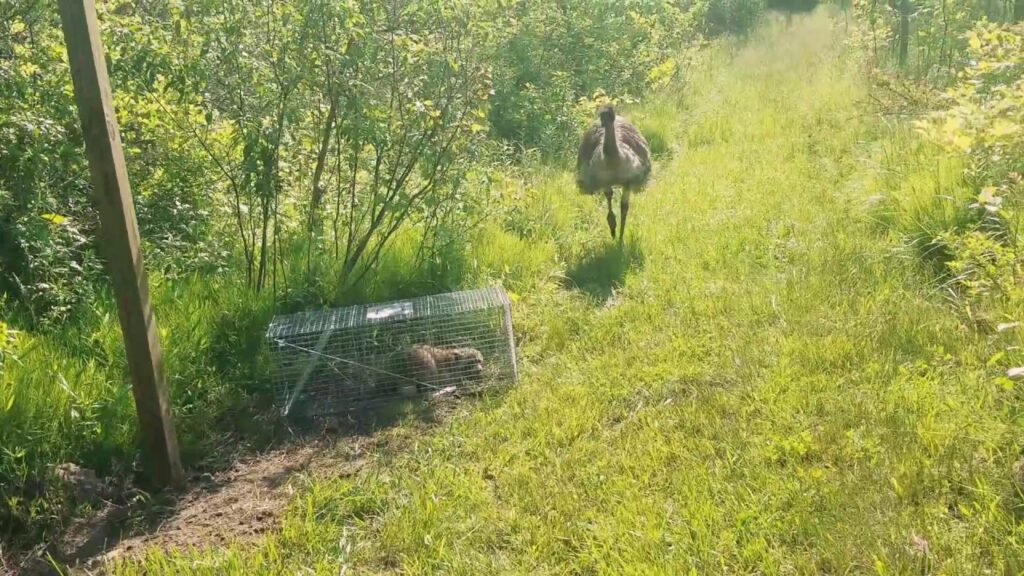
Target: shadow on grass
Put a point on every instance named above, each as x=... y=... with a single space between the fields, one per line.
x=599 y=273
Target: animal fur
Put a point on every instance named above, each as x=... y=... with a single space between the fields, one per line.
x=613 y=153
x=600 y=166
x=432 y=367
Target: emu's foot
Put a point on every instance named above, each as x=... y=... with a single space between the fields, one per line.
x=611 y=223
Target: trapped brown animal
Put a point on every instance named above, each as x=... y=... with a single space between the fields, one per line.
x=432 y=367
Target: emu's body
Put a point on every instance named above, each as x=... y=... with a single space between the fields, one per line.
x=613 y=153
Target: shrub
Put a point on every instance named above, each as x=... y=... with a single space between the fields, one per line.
x=730 y=16
x=553 y=54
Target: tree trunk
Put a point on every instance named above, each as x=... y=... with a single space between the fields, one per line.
x=946 y=56
x=903 y=39
x=321 y=162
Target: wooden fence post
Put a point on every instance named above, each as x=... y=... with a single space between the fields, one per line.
x=120 y=238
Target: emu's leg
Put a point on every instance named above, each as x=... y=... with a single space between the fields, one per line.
x=611 y=215
x=624 y=209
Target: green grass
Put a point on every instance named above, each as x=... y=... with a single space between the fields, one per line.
x=758 y=382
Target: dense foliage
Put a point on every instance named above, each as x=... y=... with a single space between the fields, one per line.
x=927 y=38
x=282 y=124
x=983 y=119
x=951 y=186
x=957 y=68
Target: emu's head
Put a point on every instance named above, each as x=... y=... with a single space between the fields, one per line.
x=607 y=114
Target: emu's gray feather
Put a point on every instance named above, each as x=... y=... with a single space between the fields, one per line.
x=632 y=167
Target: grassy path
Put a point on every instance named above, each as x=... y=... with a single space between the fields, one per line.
x=774 y=389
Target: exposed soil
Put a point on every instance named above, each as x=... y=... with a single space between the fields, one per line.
x=244 y=501
x=240 y=500
x=237 y=504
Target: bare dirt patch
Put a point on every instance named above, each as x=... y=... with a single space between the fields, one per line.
x=239 y=501
x=236 y=504
x=242 y=502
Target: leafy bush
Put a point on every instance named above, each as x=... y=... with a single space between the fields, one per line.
x=926 y=38
x=549 y=55
x=41 y=256
x=48 y=256
x=730 y=16
x=983 y=120
x=985 y=114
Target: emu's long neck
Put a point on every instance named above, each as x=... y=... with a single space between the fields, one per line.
x=611 y=142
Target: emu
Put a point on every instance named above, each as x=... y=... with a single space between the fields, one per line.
x=613 y=153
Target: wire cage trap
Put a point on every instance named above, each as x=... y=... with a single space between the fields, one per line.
x=332 y=361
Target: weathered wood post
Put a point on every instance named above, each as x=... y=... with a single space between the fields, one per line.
x=120 y=238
